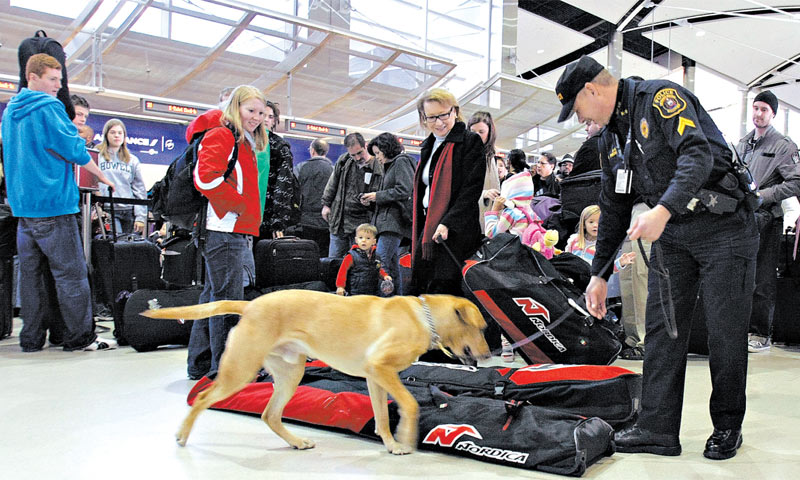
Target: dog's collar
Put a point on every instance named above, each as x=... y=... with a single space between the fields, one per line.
x=436 y=340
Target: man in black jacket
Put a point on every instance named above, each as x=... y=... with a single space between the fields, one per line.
x=587 y=158
x=313 y=175
x=354 y=174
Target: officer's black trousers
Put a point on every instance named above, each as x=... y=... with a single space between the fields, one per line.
x=717 y=253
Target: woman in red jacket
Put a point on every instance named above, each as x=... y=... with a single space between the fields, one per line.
x=233 y=214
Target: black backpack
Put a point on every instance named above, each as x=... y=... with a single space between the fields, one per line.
x=174 y=198
x=41 y=43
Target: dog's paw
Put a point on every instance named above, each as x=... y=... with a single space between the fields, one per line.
x=400 y=449
x=303 y=444
x=181 y=440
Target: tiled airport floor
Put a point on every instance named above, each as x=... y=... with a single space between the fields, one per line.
x=112 y=415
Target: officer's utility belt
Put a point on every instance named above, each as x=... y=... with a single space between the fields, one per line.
x=714 y=202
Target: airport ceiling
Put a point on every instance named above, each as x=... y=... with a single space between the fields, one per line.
x=754 y=44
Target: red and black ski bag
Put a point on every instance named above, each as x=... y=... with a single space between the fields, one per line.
x=540 y=417
x=533 y=304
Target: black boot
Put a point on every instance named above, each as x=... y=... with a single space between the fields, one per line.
x=636 y=440
x=722 y=444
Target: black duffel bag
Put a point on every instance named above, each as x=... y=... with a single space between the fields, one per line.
x=146 y=334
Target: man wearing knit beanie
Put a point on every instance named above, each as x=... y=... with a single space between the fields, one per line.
x=773 y=161
x=770 y=99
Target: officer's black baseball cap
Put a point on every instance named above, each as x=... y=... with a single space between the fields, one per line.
x=572 y=81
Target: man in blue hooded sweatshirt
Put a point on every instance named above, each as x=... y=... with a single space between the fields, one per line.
x=40 y=146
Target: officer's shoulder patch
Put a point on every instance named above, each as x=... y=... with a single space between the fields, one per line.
x=796 y=157
x=644 y=127
x=668 y=102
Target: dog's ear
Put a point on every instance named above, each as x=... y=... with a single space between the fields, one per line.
x=468 y=313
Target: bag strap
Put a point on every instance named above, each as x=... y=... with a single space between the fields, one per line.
x=43 y=34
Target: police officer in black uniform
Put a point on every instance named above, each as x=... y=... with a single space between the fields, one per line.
x=661 y=144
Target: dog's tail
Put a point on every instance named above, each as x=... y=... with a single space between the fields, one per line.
x=197 y=312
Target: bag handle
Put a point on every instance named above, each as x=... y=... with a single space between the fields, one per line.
x=113 y=216
x=43 y=34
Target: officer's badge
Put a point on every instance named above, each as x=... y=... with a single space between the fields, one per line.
x=668 y=102
x=644 y=128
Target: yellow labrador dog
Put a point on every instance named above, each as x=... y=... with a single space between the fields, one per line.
x=362 y=335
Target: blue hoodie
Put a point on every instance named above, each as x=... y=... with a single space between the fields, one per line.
x=36 y=132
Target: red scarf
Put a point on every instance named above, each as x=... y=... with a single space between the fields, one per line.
x=438 y=201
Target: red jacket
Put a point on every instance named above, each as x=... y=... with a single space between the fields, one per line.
x=239 y=191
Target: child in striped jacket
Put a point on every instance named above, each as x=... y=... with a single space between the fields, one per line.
x=511 y=211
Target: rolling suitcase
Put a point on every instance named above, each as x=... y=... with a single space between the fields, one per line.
x=286 y=260
x=180 y=266
x=538 y=310
x=123 y=264
x=146 y=334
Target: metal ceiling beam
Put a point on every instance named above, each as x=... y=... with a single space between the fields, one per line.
x=778 y=68
x=295 y=60
x=364 y=81
x=212 y=54
x=87 y=42
x=80 y=21
x=111 y=41
x=566 y=133
x=314 y=25
x=711 y=16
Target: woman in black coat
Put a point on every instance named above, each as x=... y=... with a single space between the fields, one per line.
x=280 y=210
x=392 y=202
x=447 y=184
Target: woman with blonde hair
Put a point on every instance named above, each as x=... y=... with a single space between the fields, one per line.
x=123 y=168
x=447 y=184
x=233 y=213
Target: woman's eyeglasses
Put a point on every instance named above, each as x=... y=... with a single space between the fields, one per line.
x=441 y=116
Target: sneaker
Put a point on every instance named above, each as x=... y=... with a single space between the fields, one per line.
x=507 y=354
x=757 y=343
x=103 y=314
x=101 y=344
x=632 y=353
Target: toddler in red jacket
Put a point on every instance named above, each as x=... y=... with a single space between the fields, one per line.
x=361 y=272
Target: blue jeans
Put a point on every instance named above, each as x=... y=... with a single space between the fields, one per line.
x=54 y=244
x=123 y=219
x=388 y=251
x=340 y=244
x=715 y=254
x=224 y=255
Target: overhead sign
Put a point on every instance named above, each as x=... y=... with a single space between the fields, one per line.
x=8 y=86
x=172 y=108
x=306 y=127
x=411 y=142
x=152 y=142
